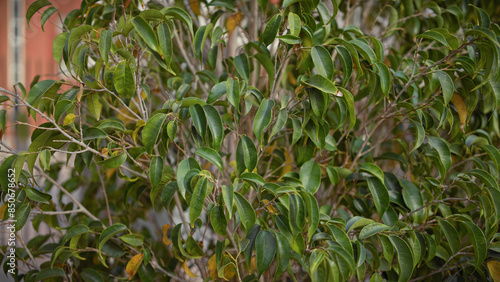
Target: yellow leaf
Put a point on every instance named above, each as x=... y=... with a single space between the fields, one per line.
x=288 y=163
x=80 y=93
x=253 y=265
x=165 y=229
x=188 y=271
x=68 y=119
x=110 y=173
x=212 y=267
x=2 y=210
x=105 y=151
x=269 y=207
x=138 y=126
x=195 y=6
x=233 y=21
x=459 y=104
x=494 y=268
x=133 y=265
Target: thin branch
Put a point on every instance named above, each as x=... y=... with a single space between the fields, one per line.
x=60 y=212
x=55 y=183
x=105 y=197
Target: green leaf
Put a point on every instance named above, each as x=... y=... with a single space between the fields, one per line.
x=321 y=83
x=74 y=231
x=485 y=177
x=319 y=102
x=123 y=80
x=218 y=220
x=493 y=153
x=94 y=105
x=198 y=199
x=105 y=42
x=444 y=153
x=166 y=47
x=183 y=168
x=310 y=176
x=198 y=41
x=372 y=229
x=262 y=119
x=405 y=258
x=280 y=122
x=272 y=28
x=48 y=273
x=44 y=159
x=246 y=155
x=253 y=177
x=114 y=161
x=297 y=130
x=312 y=213
x=344 y=255
x=133 y=239
x=58 y=46
x=341 y=237
x=168 y=193
x=282 y=253
x=447 y=85
x=210 y=155
x=294 y=24
x=42 y=88
x=21 y=216
x=242 y=67
x=374 y=170
x=435 y=36
x=385 y=78
x=76 y=36
x=217 y=91
x=365 y=50
x=478 y=239
x=380 y=195
x=322 y=61
x=349 y=99
x=346 y=59
x=245 y=211
x=92 y=275
x=420 y=135
x=192 y=247
x=37 y=196
x=155 y=171
x=296 y=213
x=152 y=130
x=215 y=124
x=146 y=33
x=451 y=235
x=108 y=233
x=46 y=15
x=199 y=119
x=413 y=199
x=180 y=14
x=233 y=93
x=228 y=196
x=35 y=7
x=265 y=250
x=250 y=237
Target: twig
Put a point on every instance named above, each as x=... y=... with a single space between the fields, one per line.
x=82 y=208
x=105 y=196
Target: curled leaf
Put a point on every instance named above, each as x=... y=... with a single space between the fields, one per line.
x=133 y=265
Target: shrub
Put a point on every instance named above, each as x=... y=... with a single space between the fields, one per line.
x=302 y=140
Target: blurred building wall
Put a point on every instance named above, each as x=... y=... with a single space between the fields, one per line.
x=26 y=52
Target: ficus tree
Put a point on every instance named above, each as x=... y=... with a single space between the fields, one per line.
x=289 y=140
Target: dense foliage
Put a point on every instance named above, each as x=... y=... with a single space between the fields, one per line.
x=232 y=140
